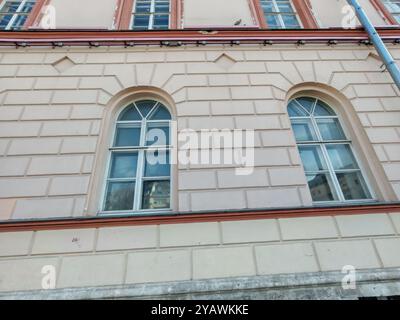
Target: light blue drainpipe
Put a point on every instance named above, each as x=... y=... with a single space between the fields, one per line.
x=380 y=47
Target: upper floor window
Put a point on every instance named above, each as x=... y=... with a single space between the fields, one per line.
x=139 y=171
x=394 y=8
x=151 y=15
x=13 y=13
x=280 y=14
x=332 y=170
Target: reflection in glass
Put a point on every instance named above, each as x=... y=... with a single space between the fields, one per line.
x=123 y=165
x=156 y=195
x=341 y=156
x=157 y=164
x=119 y=196
x=353 y=186
x=127 y=136
x=320 y=187
x=312 y=158
x=303 y=130
x=330 y=129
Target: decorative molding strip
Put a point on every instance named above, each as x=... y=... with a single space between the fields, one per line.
x=313 y=285
x=192 y=36
x=103 y=221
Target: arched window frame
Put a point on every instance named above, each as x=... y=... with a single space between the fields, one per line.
x=348 y=140
x=141 y=150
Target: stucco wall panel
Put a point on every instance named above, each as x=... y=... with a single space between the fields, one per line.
x=96 y=14
x=218 y=250
x=66 y=114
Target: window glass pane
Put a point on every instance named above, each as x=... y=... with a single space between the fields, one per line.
x=156 y=195
x=322 y=109
x=141 y=22
x=13 y=9
x=330 y=129
x=284 y=6
x=157 y=134
x=10 y=6
x=290 y=21
x=145 y=106
x=161 y=21
x=273 y=21
x=127 y=136
x=353 y=186
x=19 y=21
x=295 y=110
x=4 y=20
x=320 y=187
x=341 y=157
x=306 y=103
x=28 y=6
x=123 y=165
x=157 y=164
x=130 y=114
x=312 y=159
x=162 y=7
x=161 y=113
x=303 y=130
x=267 y=6
x=143 y=7
x=119 y=196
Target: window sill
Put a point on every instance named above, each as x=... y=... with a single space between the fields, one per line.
x=195 y=217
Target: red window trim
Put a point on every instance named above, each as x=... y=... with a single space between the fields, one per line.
x=380 y=7
x=97 y=222
x=35 y=13
x=123 y=14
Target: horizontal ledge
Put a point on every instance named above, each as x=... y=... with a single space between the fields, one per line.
x=215 y=216
x=224 y=286
x=104 y=37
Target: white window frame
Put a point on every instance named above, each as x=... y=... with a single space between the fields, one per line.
x=322 y=144
x=151 y=15
x=279 y=14
x=141 y=162
x=16 y=14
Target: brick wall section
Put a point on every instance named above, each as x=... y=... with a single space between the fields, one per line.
x=51 y=113
x=118 y=255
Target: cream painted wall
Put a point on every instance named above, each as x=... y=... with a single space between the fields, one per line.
x=216 y=12
x=55 y=104
x=194 y=251
x=331 y=15
x=84 y=13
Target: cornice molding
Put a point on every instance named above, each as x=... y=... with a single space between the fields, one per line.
x=172 y=218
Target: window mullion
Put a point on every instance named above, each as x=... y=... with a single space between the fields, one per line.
x=151 y=18
x=278 y=14
x=328 y=162
x=141 y=167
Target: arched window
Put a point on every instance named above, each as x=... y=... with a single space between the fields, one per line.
x=138 y=177
x=332 y=170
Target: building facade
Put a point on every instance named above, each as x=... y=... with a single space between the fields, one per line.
x=198 y=149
